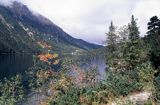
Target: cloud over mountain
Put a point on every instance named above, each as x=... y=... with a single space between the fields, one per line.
x=90 y=19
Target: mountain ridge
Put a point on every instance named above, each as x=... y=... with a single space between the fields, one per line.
x=36 y=27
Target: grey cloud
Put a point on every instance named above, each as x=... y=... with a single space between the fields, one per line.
x=7 y=2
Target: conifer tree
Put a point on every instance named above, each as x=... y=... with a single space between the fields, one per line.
x=153 y=39
x=133 y=29
x=154 y=25
x=111 y=38
x=111 y=42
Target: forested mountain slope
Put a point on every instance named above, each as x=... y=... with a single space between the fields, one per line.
x=24 y=31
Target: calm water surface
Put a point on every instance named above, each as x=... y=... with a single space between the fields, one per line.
x=11 y=64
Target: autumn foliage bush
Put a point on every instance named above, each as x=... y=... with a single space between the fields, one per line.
x=49 y=58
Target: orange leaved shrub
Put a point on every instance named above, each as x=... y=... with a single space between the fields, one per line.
x=49 y=58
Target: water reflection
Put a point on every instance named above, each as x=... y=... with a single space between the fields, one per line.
x=11 y=64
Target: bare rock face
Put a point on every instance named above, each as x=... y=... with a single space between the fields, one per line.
x=135 y=99
x=140 y=98
x=33 y=99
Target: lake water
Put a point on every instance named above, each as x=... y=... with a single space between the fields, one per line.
x=91 y=62
x=11 y=64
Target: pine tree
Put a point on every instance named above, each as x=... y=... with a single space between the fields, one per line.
x=111 y=38
x=153 y=39
x=154 y=25
x=111 y=42
x=133 y=29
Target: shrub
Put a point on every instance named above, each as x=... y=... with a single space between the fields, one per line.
x=69 y=97
x=11 y=91
x=157 y=87
x=145 y=73
x=119 y=84
x=148 y=102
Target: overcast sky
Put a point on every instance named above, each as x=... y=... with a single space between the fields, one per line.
x=89 y=19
